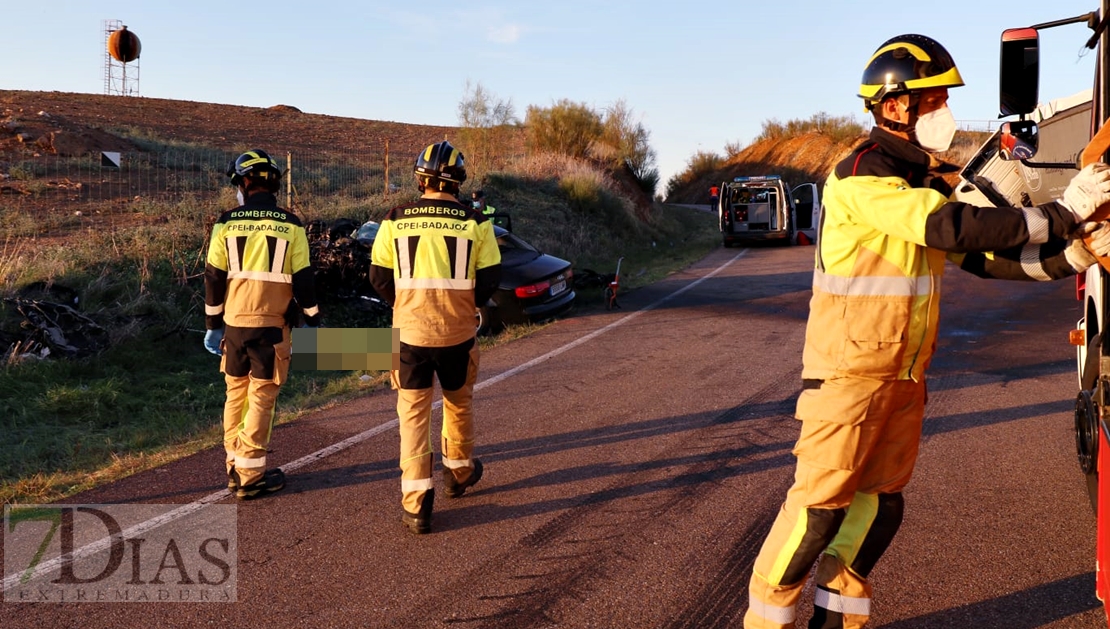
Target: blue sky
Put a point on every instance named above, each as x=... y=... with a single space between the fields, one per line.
x=697 y=74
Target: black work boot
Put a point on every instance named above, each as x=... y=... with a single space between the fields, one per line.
x=454 y=488
x=232 y=480
x=420 y=522
x=271 y=481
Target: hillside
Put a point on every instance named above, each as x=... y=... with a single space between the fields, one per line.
x=71 y=124
x=800 y=159
x=804 y=158
x=53 y=182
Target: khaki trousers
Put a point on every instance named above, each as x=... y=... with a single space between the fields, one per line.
x=857 y=449
x=249 y=408
x=414 y=412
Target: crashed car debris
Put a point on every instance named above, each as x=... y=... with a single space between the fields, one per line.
x=342 y=263
x=534 y=287
x=36 y=328
x=340 y=253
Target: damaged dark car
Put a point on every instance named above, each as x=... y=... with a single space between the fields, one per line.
x=535 y=286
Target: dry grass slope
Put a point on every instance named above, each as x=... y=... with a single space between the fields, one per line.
x=799 y=159
x=808 y=157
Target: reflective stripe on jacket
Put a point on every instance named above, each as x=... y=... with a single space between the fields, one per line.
x=434 y=260
x=885 y=230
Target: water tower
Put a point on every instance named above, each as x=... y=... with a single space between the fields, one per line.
x=121 y=48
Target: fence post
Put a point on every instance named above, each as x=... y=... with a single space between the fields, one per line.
x=289 y=179
x=386 y=189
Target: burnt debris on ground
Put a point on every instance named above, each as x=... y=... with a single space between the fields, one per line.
x=37 y=324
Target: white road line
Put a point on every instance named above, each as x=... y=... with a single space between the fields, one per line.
x=192 y=507
x=625 y=319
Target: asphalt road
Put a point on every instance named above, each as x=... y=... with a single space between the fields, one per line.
x=631 y=477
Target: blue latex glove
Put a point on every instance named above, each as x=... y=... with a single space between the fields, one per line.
x=212 y=340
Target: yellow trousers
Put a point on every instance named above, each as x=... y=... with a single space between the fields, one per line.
x=249 y=413
x=414 y=411
x=857 y=449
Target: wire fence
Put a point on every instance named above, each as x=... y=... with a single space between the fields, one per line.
x=201 y=174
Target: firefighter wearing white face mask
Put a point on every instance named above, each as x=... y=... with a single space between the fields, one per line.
x=886 y=231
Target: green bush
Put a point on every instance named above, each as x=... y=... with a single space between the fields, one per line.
x=566 y=128
x=614 y=139
x=625 y=141
x=700 y=164
x=838 y=128
x=582 y=192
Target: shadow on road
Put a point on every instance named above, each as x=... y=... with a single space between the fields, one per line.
x=977 y=419
x=1027 y=609
x=951 y=372
x=618 y=435
x=483 y=514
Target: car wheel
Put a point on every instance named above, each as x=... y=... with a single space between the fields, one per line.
x=489 y=320
x=1087 y=423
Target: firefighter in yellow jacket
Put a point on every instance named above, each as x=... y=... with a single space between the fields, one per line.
x=434 y=261
x=887 y=228
x=257 y=283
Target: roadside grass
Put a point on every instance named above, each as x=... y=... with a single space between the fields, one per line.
x=156 y=395
x=153 y=396
x=70 y=425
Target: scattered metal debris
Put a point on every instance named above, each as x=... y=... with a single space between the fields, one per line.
x=588 y=278
x=35 y=328
x=342 y=263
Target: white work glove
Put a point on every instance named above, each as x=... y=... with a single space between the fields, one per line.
x=1088 y=190
x=1078 y=255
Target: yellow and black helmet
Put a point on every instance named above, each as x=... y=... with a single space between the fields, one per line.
x=905 y=64
x=255 y=164
x=440 y=166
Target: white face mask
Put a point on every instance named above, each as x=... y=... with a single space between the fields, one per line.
x=935 y=130
x=239 y=196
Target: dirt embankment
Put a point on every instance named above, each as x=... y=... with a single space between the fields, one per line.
x=806 y=158
x=73 y=124
x=37 y=125
x=40 y=131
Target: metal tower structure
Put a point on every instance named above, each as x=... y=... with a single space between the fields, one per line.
x=120 y=78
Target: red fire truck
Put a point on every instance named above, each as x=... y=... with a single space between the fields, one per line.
x=1018 y=86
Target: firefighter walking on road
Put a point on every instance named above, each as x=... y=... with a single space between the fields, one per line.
x=887 y=229
x=434 y=260
x=257 y=282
